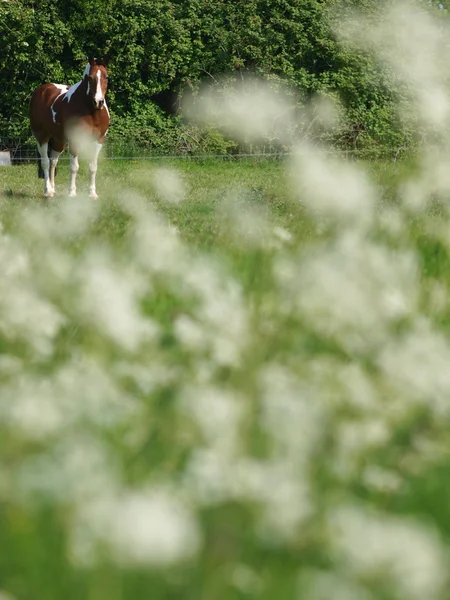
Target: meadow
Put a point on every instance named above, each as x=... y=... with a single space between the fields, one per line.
x=226 y=379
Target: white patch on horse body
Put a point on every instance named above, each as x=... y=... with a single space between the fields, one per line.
x=98 y=92
x=71 y=91
x=63 y=89
x=88 y=88
x=104 y=106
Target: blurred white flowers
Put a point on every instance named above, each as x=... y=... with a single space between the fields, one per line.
x=169 y=185
x=405 y=554
x=150 y=527
x=332 y=188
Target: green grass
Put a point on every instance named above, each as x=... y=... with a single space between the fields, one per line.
x=278 y=356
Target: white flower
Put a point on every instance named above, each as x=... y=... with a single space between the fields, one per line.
x=333 y=189
x=217 y=412
x=368 y=544
x=169 y=185
x=351 y=290
x=142 y=528
x=110 y=302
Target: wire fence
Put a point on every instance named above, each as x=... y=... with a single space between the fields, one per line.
x=23 y=150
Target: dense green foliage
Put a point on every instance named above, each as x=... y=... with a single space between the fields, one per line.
x=159 y=49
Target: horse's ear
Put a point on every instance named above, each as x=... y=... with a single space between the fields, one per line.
x=103 y=61
x=99 y=61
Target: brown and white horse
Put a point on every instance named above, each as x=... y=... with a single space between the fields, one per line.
x=76 y=114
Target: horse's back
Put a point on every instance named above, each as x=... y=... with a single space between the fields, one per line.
x=45 y=95
x=42 y=99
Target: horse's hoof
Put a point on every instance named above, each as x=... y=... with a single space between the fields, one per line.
x=72 y=194
x=93 y=196
x=49 y=195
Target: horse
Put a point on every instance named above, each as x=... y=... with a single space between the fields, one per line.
x=60 y=114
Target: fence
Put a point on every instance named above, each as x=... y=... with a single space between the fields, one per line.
x=23 y=150
x=20 y=149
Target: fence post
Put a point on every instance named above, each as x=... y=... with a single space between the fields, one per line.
x=5 y=159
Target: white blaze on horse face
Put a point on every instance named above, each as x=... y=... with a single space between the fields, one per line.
x=98 y=92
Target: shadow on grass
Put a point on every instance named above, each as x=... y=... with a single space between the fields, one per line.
x=22 y=197
x=9 y=193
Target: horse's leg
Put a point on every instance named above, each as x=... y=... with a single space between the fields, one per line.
x=93 y=171
x=54 y=156
x=45 y=164
x=74 y=166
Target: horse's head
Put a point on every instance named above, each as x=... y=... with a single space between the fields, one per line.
x=97 y=82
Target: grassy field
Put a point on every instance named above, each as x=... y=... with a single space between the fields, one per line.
x=226 y=380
